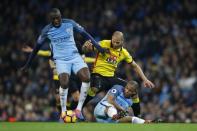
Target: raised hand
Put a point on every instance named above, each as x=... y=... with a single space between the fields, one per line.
x=27 y=49
x=87 y=46
x=148 y=84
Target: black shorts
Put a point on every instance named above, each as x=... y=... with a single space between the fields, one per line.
x=105 y=83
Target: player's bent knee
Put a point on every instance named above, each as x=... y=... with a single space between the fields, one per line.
x=85 y=78
x=84 y=75
x=64 y=78
x=90 y=108
x=64 y=84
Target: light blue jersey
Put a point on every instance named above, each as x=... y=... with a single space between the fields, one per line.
x=117 y=92
x=61 y=39
x=63 y=48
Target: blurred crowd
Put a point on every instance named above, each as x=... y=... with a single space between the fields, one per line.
x=161 y=35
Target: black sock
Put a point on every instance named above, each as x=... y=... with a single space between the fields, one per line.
x=136 y=109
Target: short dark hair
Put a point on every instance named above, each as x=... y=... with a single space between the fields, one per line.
x=55 y=11
x=134 y=84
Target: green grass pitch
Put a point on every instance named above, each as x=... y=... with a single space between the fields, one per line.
x=55 y=126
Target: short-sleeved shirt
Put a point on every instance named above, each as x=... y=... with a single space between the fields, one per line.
x=106 y=65
x=61 y=39
x=118 y=92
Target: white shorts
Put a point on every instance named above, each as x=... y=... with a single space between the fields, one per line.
x=99 y=112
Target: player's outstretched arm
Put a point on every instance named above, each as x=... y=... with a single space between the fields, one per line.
x=96 y=45
x=138 y=70
x=87 y=36
x=40 y=42
x=28 y=49
x=32 y=55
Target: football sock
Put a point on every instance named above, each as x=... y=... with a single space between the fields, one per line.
x=63 y=98
x=137 y=120
x=83 y=94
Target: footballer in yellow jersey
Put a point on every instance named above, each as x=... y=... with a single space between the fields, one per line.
x=106 y=65
x=102 y=77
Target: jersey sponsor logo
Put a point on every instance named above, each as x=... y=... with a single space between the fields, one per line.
x=61 y=39
x=112 y=59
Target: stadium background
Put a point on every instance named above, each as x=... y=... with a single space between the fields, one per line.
x=160 y=34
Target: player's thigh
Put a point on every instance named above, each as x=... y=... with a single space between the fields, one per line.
x=117 y=81
x=63 y=67
x=84 y=74
x=97 y=82
x=101 y=83
x=95 y=100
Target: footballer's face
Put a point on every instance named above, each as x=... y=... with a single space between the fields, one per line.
x=55 y=19
x=117 y=41
x=129 y=91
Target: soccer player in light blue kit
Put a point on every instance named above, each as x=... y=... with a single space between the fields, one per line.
x=59 y=33
x=114 y=107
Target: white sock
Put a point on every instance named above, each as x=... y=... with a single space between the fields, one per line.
x=137 y=120
x=83 y=94
x=63 y=98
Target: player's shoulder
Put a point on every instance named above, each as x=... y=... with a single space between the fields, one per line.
x=67 y=20
x=117 y=88
x=125 y=51
x=73 y=23
x=47 y=28
x=105 y=43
